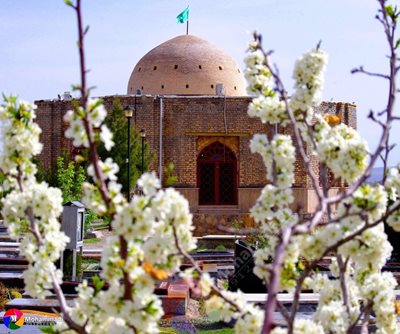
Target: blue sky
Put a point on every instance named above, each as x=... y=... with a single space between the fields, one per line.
x=39 y=58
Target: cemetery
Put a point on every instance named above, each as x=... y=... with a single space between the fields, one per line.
x=231 y=268
x=222 y=203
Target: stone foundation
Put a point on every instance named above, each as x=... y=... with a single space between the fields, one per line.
x=214 y=223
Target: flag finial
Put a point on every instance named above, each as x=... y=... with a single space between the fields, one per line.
x=184 y=17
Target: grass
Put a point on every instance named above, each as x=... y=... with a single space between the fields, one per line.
x=87 y=263
x=91 y=241
x=167 y=330
x=217 y=331
x=100 y=226
x=205 y=248
x=90 y=261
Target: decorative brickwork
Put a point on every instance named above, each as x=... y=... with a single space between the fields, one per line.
x=231 y=142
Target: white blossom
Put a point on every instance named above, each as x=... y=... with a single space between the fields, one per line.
x=341 y=148
x=149 y=183
x=96 y=111
x=308 y=74
x=106 y=137
x=301 y=326
x=205 y=284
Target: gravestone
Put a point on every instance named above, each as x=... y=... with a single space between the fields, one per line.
x=394 y=238
x=244 y=279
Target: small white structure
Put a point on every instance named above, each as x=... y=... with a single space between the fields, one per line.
x=73 y=222
x=67 y=96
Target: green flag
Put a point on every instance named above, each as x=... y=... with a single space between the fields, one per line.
x=184 y=16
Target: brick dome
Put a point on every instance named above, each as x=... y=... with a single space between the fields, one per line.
x=186 y=65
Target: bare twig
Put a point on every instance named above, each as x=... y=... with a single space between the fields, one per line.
x=283 y=311
x=273 y=286
x=93 y=154
x=364 y=323
x=214 y=288
x=94 y=157
x=365 y=310
x=127 y=281
x=372 y=117
x=389 y=27
x=361 y=70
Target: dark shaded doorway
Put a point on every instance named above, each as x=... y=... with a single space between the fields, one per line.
x=216 y=175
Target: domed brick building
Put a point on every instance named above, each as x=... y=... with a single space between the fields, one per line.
x=186 y=65
x=190 y=98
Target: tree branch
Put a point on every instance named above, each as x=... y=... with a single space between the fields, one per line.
x=273 y=286
x=214 y=288
x=361 y=70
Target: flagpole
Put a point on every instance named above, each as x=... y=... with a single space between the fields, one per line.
x=184 y=17
x=187 y=23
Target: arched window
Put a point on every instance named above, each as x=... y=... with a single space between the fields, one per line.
x=217 y=175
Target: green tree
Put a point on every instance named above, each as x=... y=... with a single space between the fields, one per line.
x=69 y=178
x=117 y=123
x=47 y=175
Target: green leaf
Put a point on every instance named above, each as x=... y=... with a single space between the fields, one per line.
x=86 y=30
x=91 y=88
x=170 y=179
x=48 y=329
x=98 y=283
x=76 y=87
x=97 y=104
x=69 y=3
x=397 y=44
x=390 y=10
x=151 y=309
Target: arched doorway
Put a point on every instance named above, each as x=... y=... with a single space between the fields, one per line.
x=216 y=175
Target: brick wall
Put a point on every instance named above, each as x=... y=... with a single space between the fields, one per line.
x=50 y=118
x=187 y=124
x=188 y=121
